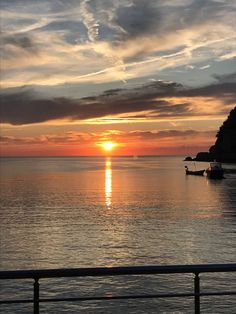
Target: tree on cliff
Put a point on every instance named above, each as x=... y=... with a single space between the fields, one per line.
x=225 y=146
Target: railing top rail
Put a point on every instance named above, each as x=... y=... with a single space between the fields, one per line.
x=113 y=271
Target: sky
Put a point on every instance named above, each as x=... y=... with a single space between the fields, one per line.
x=154 y=77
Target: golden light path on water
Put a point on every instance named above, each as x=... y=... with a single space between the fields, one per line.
x=108 y=183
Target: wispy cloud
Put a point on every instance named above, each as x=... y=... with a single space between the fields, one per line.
x=105 y=41
x=89 y=19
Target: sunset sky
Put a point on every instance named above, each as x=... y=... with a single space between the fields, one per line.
x=152 y=77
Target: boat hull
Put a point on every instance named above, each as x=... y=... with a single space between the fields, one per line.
x=195 y=173
x=215 y=174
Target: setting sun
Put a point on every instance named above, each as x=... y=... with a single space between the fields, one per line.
x=108 y=146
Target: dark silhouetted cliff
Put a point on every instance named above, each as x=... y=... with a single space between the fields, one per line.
x=224 y=149
x=225 y=145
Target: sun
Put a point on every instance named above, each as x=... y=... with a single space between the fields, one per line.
x=108 y=146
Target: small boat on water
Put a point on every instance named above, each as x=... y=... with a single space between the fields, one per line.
x=215 y=171
x=194 y=173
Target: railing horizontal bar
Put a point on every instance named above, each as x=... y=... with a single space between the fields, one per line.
x=114 y=271
x=112 y=297
x=17 y=301
x=217 y=293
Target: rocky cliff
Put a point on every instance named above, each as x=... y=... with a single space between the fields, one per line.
x=224 y=149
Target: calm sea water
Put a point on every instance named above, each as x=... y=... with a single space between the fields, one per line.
x=85 y=212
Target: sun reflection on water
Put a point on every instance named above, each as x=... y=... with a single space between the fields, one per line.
x=108 y=183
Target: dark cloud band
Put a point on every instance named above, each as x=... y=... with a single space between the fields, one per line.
x=152 y=100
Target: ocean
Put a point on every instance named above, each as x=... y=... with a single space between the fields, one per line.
x=68 y=212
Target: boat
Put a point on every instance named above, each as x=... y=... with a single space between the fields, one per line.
x=194 y=173
x=215 y=171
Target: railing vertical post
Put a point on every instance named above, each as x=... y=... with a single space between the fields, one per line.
x=197 y=293
x=36 y=295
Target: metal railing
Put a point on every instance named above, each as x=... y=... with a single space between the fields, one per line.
x=36 y=275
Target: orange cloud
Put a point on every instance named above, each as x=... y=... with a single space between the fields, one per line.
x=127 y=143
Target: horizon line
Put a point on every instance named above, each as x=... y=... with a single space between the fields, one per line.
x=91 y=156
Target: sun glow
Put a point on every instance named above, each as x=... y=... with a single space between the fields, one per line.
x=108 y=146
